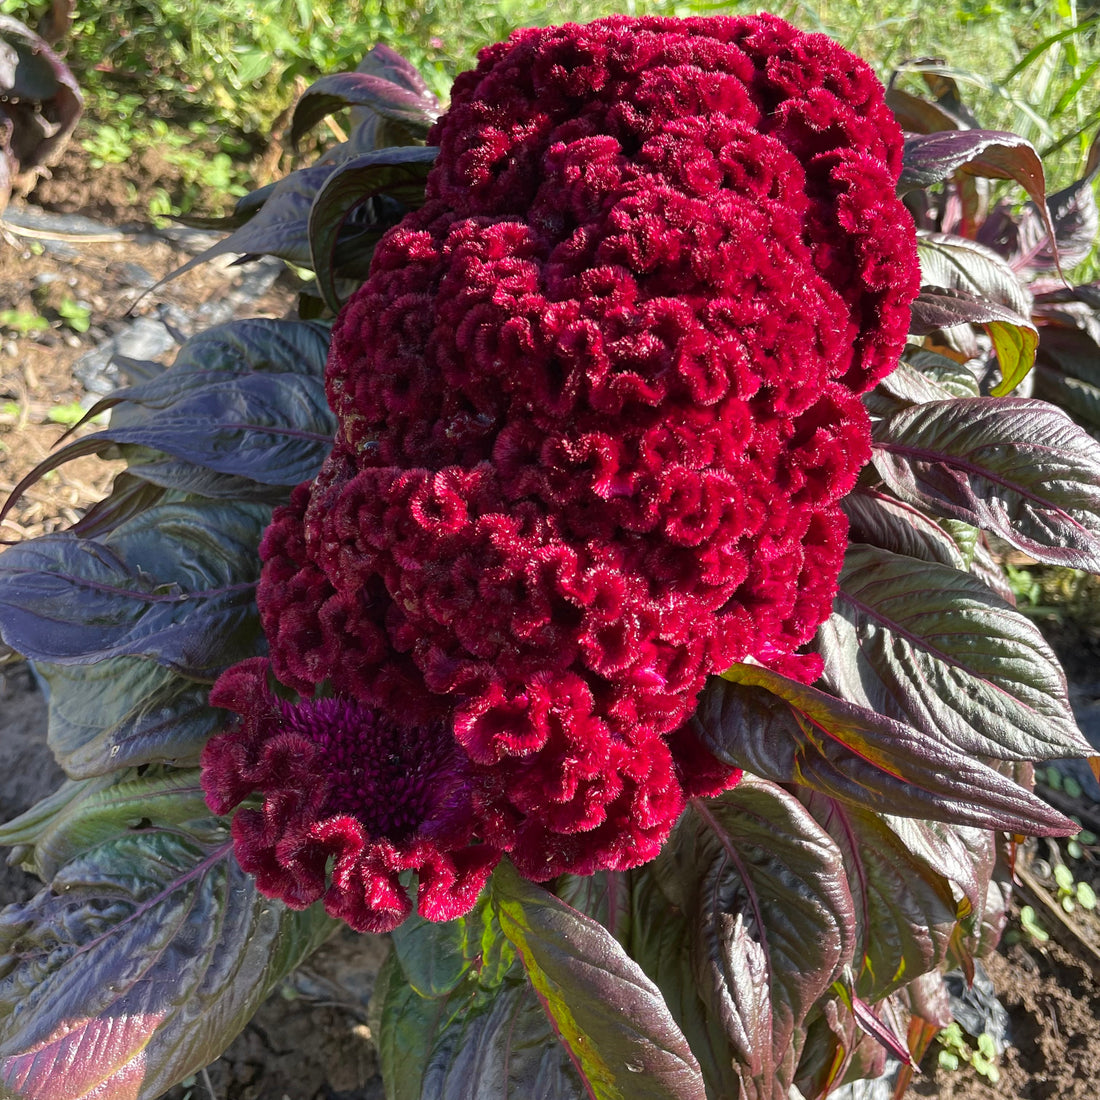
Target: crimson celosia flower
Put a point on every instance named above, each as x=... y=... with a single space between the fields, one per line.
x=343 y=783
x=598 y=402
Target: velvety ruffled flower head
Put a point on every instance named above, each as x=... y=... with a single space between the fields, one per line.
x=342 y=783
x=598 y=402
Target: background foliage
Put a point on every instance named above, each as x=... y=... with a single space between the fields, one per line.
x=221 y=75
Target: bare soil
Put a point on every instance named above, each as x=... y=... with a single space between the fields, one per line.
x=311 y=1040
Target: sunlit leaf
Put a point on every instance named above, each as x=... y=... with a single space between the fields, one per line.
x=609 y=1015
x=1017 y=467
x=932 y=647
x=146 y=954
x=994 y=154
x=904 y=908
x=881 y=520
x=963 y=282
x=413 y=110
x=770 y=912
x=792 y=733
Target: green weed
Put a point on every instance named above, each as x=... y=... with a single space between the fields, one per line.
x=954 y=1049
x=218 y=75
x=22 y=321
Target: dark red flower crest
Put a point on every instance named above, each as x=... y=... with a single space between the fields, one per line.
x=598 y=402
x=344 y=784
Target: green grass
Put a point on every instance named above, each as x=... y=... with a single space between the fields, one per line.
x=227 y=70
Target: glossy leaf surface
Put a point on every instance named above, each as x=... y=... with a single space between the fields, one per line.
x=147 y=953
x=882 y=521
x=414 y=109
x=399 y=174
x=174 y=584
x=952 y=264
x=1017 y=467
x=609 y=1015
x=928 y=159
x=791 y=733
x=770 y=916
x=904 y=908
x=932 y=647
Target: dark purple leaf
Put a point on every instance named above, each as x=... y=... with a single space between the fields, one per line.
x=932 y=647
x=180 y=476
x=954 y=264
x=880 y=1032
x=1076 y=221
x=1069 y=339
x=243 y=405
x=791 y=733
x=993 y=154
x=436 y=956
x=129 y=496
x=371 y=131
x=603 y=896
x=146 y=954
x=836 y=1051
x=908 y=385
x=244 y=209
x=986 y=568
x=940 y=82
x=174 y=584
x=998 y=901
x=273 y=429
x=1080 y=399
x=387 y=64
x=955 y=378
x=1070 y=307
x=39 y=97
x=940 y=307
x=904 y=907
x=125 y=712
x=280 y=227
x=661 y=943
x=894 y=525
x=609 y=1015
x=931 y=158
x=277 y=228
x=919 y=116
x=763 y=888
x=413 y=111
x=85 y=813
x=399 y=174
x=1017 y=467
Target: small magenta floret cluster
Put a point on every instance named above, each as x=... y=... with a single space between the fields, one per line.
x=598 y=402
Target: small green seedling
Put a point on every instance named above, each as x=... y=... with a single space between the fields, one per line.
x=74 y=316
x=22 y=321
x=1030 y=924
x=954 y=1050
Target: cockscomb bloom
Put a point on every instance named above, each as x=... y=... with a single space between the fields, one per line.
x=598 y=401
